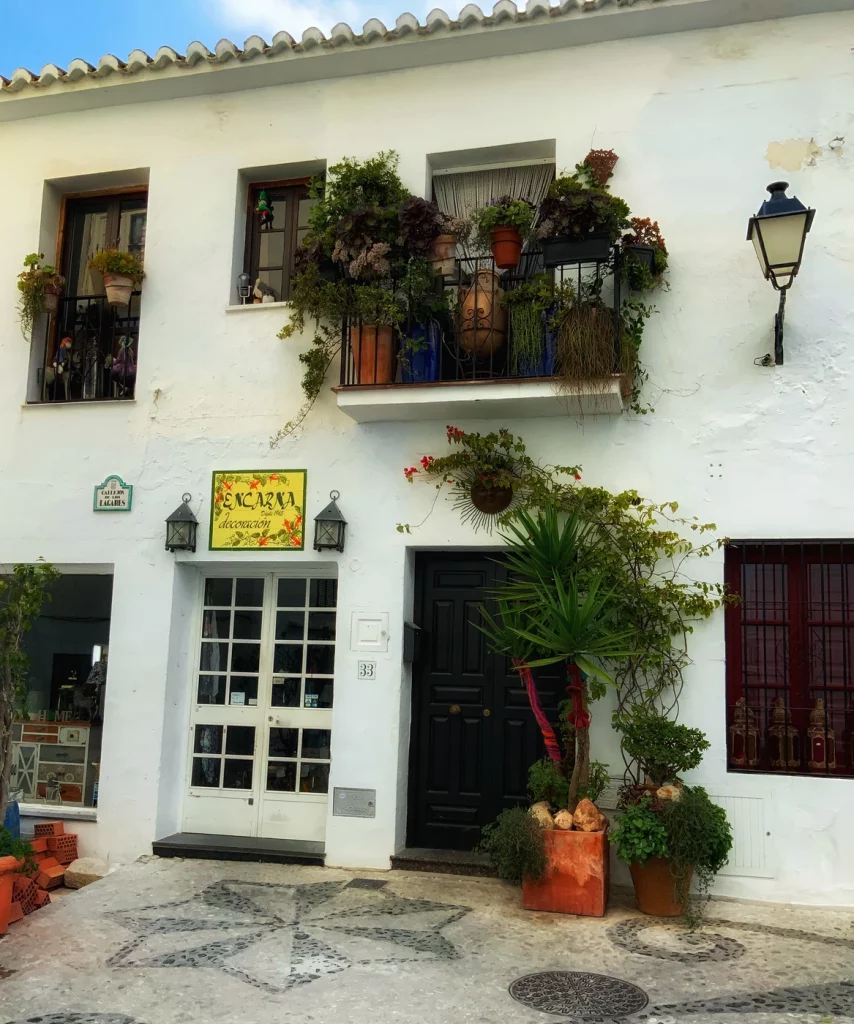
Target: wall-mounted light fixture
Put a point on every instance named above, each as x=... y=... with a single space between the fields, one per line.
x=329 y=527
x=244 y=287
x=778 y=232
x=181 y=528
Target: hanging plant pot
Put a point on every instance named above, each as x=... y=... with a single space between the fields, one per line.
x=373 y=353
x=118 y=289
x=568 y=249
x=443 y=255
x=506 y=248
x=483 y=317
x=52 y=293
x=656 y=887
x=492 y=501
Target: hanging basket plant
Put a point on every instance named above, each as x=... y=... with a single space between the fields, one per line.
x=486 y=474
x=40 y=287
x=122 y=273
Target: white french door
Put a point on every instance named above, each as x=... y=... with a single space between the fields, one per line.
x=260 y=729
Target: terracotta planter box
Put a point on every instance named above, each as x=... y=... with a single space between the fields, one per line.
x=577 y=875
x=8 y=867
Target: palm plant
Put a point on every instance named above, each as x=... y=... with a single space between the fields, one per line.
x=553 y=608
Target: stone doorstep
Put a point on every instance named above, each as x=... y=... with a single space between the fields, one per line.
x=443 y=862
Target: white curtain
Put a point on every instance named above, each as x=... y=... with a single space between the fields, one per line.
x=461 y=194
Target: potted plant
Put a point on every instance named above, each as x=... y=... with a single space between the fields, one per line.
x=644 y=254
x=548 y=615
x=535 y=310
x=668 y=841
x=425 y=311
x=580 y=219
x=122 y=273
x=428 y=232
x=15 y=854
x=662 y=749
x=374 y=313
x=503 y=225
x=40 y=287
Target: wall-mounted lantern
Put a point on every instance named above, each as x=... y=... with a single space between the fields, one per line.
x=244 y=287
x=778 y=232
x=181 y=528
x=329 y=527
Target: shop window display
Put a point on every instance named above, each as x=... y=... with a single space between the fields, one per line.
x=58 y=724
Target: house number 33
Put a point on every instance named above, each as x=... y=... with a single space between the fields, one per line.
x=367 y=670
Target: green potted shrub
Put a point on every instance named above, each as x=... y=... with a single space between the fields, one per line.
x=668 y=842
x=644 y=254
x=536 y=308
x=663 y=749
x=15 y=854
x=502 y=225
x=122 y=273
x=580 y=219
x=40 y=286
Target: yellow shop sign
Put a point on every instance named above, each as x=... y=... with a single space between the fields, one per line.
x=256 y=510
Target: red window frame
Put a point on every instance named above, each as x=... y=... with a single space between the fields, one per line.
x=789 y=645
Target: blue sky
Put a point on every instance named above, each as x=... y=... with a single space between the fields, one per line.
x=56 y=31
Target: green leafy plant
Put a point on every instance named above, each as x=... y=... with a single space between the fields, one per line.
x=662 y=748
x=22 y=594
x=504 y=212
x=639 y=276
x=547 y=781
x=17 y=848
x=33 y=281
x=599 y=778
x=691 y=832
x=533 y=305
x=514 y=842
x=116 y=261
x=575 y=208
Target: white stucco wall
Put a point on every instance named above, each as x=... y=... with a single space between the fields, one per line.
x=762 y=452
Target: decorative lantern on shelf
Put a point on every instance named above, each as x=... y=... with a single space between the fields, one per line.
x=244 y=287
x=784 y=740
x=329 y=527
x=743 y=737
x=181 y=528
x=821 y=740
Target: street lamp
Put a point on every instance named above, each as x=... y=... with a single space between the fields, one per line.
x=778 y=232
x=181 y=528
x=329 y=527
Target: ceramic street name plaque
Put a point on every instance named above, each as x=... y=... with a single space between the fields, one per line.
x=113 y=495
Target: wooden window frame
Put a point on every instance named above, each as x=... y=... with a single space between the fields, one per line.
x=294 y=189
x=795 y=615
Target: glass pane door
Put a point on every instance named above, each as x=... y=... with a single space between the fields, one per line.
x=299 y=718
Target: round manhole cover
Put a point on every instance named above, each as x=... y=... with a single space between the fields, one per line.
x=593 y=998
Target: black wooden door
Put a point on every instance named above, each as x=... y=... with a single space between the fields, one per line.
x=473 y=733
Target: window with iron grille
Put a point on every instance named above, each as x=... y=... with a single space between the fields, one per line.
x=90 y=346
x=272 y=241
x=789 y=655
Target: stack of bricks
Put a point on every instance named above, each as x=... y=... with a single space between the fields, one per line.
x=53 y=850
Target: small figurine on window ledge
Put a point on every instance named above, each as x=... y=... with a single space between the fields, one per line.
x=265 y=209
x=263 y=292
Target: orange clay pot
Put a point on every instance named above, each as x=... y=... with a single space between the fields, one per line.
x=506 y=248
x=577 y=875
x=655 y=887
x=8 y=867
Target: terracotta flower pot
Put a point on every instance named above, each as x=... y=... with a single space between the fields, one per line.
x=483 y=317
x=52 y=293
x=118 y=288
x=506 y=247
x=577 y=875
x=373 y=353
x=8 y=867
x=655 y=887
x=443 y=254
x=491 y=500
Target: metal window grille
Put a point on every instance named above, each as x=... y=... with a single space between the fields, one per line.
x=789 y=647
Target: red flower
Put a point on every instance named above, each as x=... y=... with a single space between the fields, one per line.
x=253 y=485
x=427 y=461
x=410 y=473
x=226 y=485
x=577 y=476
x=263 y=541
x=219 y=497
x=273 y=477
x=296 y=541
x=297 y=521
x=454 y=433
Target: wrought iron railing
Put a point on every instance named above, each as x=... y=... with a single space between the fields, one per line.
x=491 y=329
x=90 y=350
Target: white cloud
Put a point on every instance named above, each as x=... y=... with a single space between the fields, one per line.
x=266 y=17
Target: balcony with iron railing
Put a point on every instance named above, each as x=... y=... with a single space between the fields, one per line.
x=531 y=341
x=90 y=350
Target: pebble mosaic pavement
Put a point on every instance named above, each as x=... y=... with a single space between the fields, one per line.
x=175 y=942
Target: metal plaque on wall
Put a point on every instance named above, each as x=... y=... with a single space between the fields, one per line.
x=354 y=803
